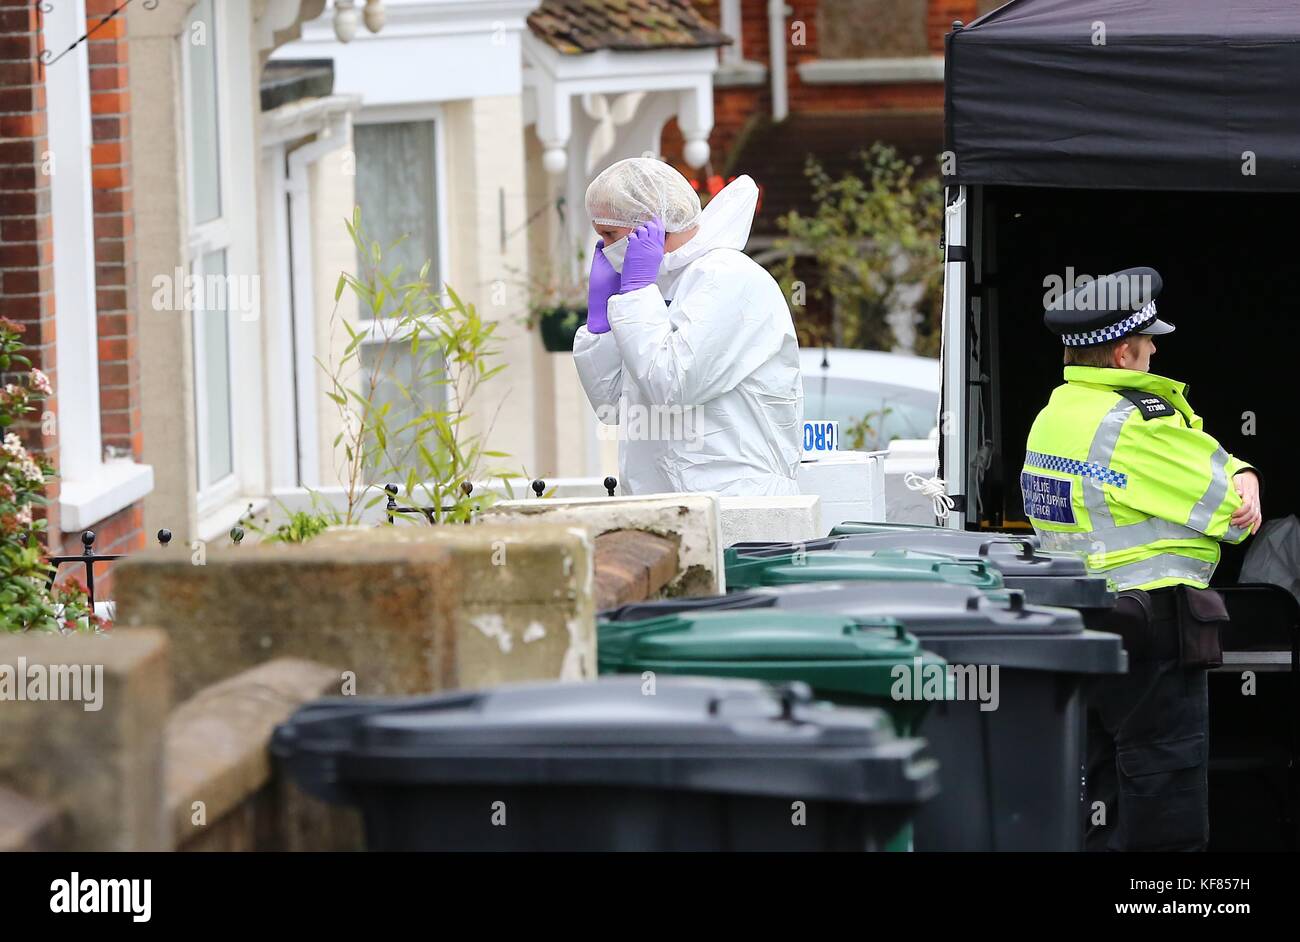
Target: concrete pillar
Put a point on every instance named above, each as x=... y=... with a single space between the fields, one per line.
x=166 y=364
x=485 y=194
x=94 y=750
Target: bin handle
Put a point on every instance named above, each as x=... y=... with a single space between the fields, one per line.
x=900 y=630
x=791 y=693
x=975 y=566
x=1026 y=543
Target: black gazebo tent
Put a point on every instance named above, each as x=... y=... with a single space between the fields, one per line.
x=1089 y=136
x=1128 y=94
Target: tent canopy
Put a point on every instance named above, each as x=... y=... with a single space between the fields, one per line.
x=1113 y=94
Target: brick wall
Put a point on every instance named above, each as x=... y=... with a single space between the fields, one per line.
x=119 y=380
x=26 y=247
x=27 y=252
x=940 y=16
x=735 y=107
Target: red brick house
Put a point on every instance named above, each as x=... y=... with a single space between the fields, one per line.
x=848 y=73
x=99 y=166
x=855 y=71
x=71 y=287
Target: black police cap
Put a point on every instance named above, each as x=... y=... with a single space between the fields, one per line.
x=1104 y=309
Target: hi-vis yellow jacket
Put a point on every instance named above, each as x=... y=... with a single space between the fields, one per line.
x=1117 y=467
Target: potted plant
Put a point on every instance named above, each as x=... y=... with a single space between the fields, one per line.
x=557 y=301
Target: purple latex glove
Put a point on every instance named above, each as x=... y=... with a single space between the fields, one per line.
x=601 y=286
x=645 y=252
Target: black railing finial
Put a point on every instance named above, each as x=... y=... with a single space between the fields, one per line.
x=611 y=483
x=391 y=507
x=86 y=558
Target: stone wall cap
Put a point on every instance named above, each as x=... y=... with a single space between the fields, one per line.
x=119 y=650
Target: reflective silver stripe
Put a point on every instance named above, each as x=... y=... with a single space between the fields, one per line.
x=1214 y=494
x=1234 y=534
x=1164 y=566
x=1100 y=452
x=1072 y=542
x=1114 y=539
x=1151 y=530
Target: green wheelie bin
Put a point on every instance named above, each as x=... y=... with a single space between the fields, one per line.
x=791 y=564
x=863 y=662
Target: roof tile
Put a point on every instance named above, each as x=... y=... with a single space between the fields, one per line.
x=577 y=26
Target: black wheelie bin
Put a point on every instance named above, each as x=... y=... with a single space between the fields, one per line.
x=691 y=764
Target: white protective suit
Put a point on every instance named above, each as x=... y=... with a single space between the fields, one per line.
x=706 y=385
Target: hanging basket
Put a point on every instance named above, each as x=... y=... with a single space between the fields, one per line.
x=558 y=327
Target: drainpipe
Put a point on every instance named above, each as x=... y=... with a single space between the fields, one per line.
x=776 y=12
x=303 y=298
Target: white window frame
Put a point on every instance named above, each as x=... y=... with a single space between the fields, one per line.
x=288 y=228
x=376 y=330
x=231 y=19
x=91 y=488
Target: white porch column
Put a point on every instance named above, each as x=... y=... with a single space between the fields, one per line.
x=695 y=118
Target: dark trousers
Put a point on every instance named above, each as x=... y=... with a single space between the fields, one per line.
x=1148 y=746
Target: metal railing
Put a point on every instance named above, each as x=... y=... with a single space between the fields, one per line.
x=88 y=557
x=538 y=487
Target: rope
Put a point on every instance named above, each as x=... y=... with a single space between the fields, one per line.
x=934 y=488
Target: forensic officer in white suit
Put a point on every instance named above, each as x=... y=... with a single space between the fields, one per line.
x=680 y=321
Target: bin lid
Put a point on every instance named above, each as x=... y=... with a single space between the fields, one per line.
x=794 y=565
x=758 y=635
x=845 y=527
x=698 y=734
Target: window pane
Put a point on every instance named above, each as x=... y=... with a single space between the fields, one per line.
x=868 y=29
x=200 y=39
x=396 y=365
x=212 y=371
x=396 y=193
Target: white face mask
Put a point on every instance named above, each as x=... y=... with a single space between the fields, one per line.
x=615 y=253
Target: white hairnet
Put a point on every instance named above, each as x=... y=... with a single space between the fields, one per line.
x=638 y=189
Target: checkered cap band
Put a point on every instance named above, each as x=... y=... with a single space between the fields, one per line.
x=1125 y=327
x=1087 y=469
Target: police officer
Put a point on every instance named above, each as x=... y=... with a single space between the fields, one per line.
x=1119 y=468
